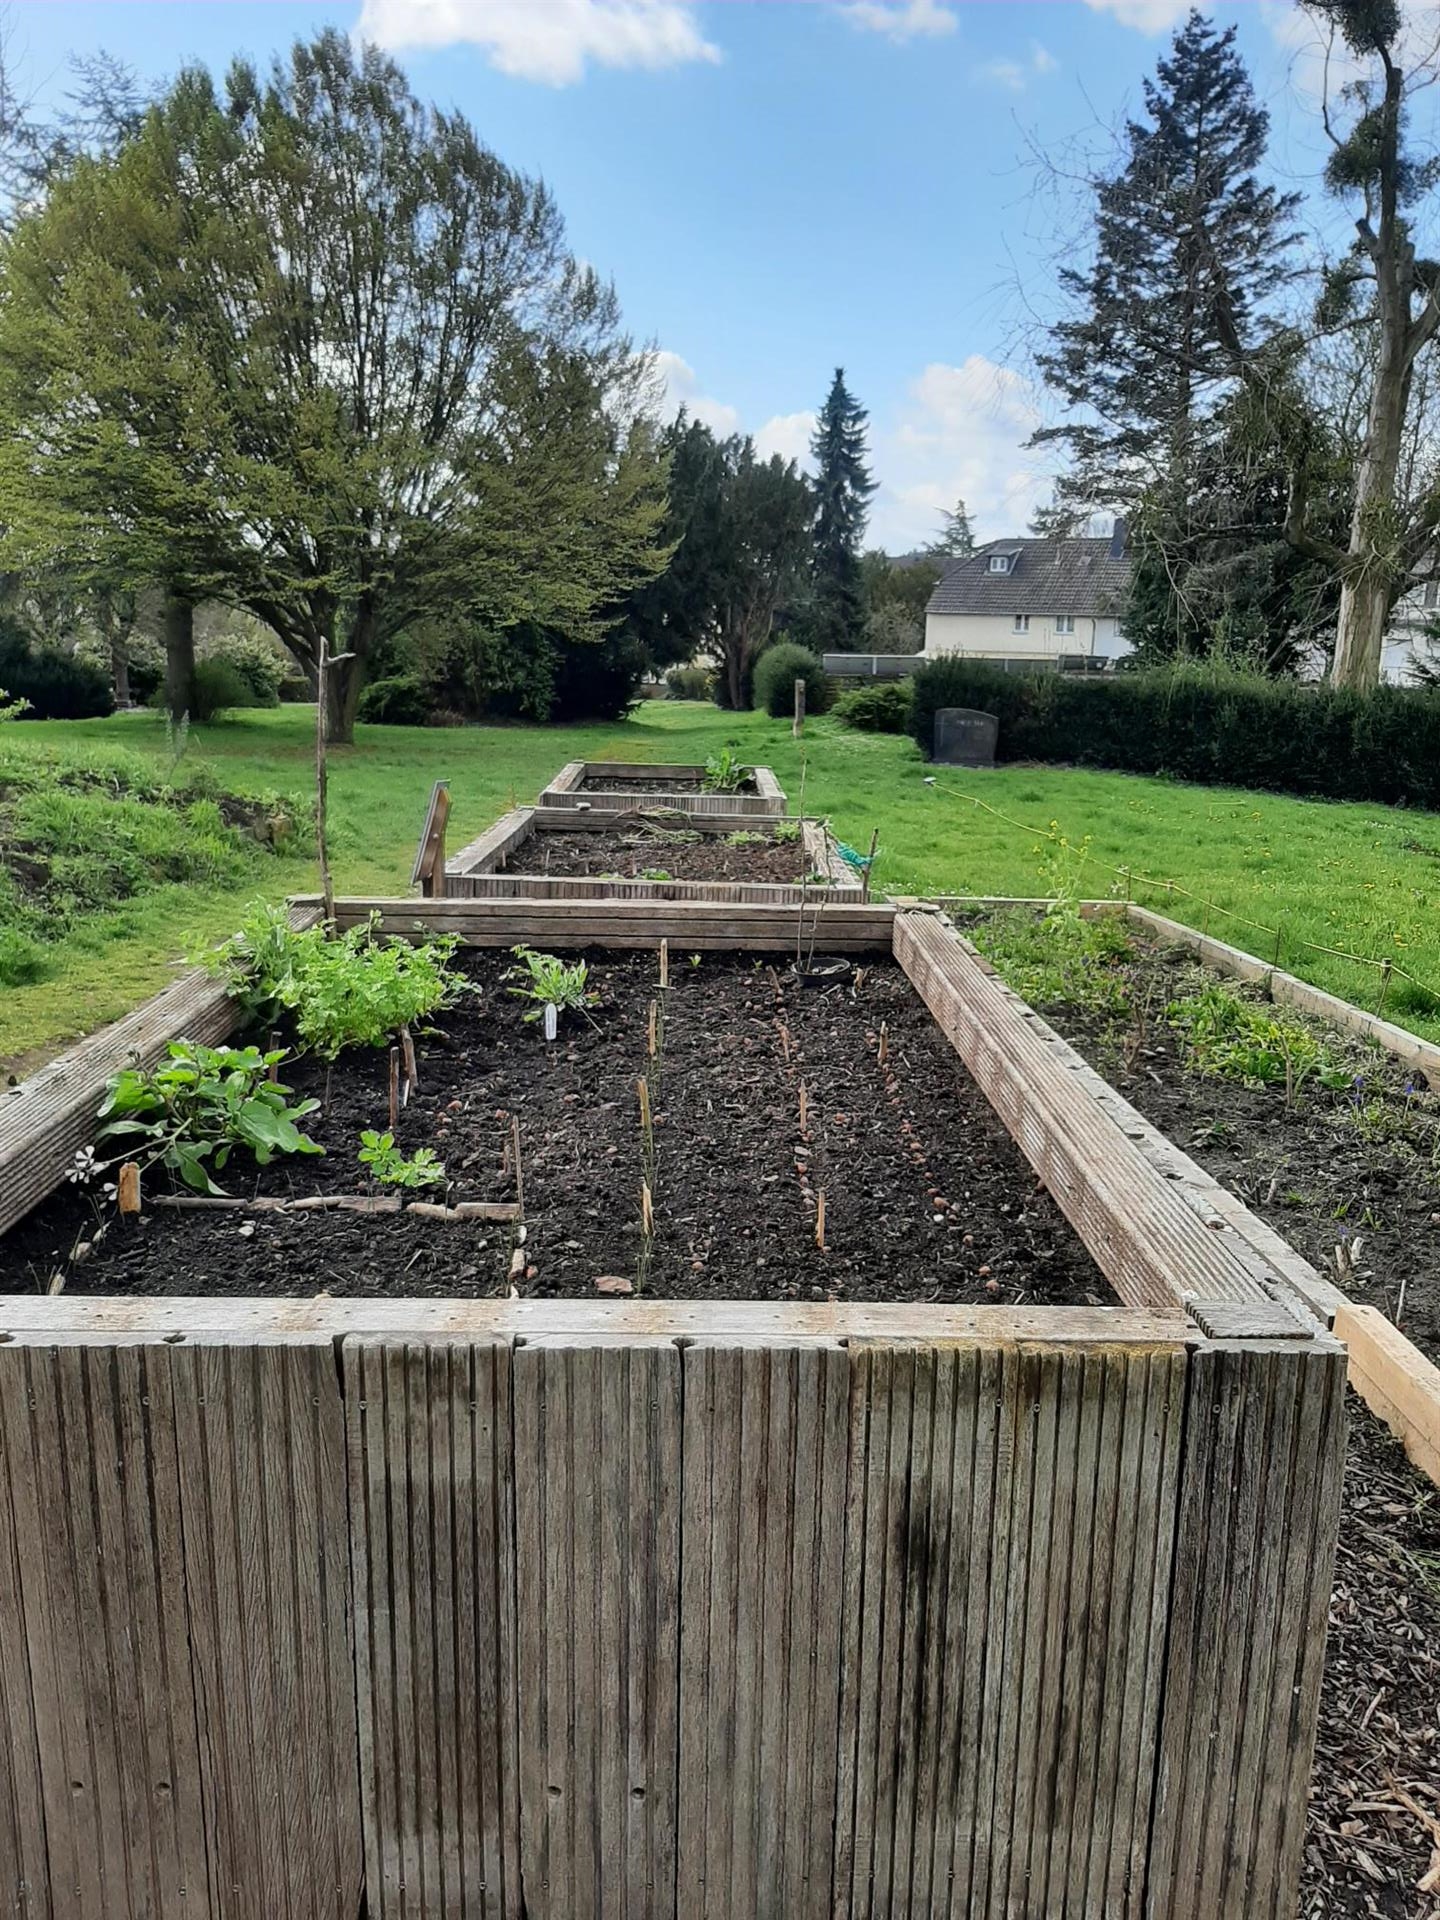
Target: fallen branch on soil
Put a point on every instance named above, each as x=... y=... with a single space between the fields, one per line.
x=342 y=1203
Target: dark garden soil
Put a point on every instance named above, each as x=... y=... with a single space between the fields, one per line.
x=1356 y=1171
x=1377 y=1762
x=926 y=1197
x=601 y=781
x=662 y=852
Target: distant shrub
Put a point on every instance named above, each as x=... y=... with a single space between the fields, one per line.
x=57 y=685
x=22 y=963
x=881 y=708
x=776 y=672
x=401 y=701
x=690 y=683
x=254 y=660
x=220 y=688
x=1213 y=726
x=295 y=690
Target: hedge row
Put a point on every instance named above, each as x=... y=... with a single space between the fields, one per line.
x=1216 y=728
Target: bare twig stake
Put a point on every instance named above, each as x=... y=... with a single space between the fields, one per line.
x=869 y=865
x=519 y=1170
x=804 y=1107
x=647 y=1210
x=394 y=1088
x=274 y=1047
x=820 y=1219
x=664 y=963
x=322 y=850
x=128 y=1187
x=884 y=1050
x=651 y=1037
x=797 y=726
x=412 y=1078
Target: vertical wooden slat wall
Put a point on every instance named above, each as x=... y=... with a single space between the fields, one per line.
x=1260 y=1501
x=597 y=1519
x=762 y=1546
x=431 y=1492
x=1007 y=1559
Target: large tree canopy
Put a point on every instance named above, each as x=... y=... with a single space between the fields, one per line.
x=308 y=346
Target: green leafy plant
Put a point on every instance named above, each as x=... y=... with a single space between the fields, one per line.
x=191 y=1111
x=1226 y=1035
x=724 y=771
x=656 y=873
x=392 y=1168
x=348 y=990
x=11 y=709
x=744 y=838
x=546 y=980
x=1059 y=956
x=786 y=831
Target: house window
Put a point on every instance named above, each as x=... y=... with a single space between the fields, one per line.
x=1022 y=623
x=1064 y=623
x=999 y=563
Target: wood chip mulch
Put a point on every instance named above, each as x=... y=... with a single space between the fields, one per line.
x=1373 y=1843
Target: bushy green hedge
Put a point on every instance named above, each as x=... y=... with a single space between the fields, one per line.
x=57 y=685
x=690 y=683
x=881 y=708
x=1207 y=725
x=400 y=701
x=776 y=672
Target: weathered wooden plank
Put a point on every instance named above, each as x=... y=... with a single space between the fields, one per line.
x=562 y=886
x=91 y=1465
x=25 y=1887
x=1396 y=1381
x=1001 y=1702
x=597 y=1505
x=50 y=1115
x=696 y=925
x=1260 y=1490
x=765 y=1461
x=431 y=1472
x=495 y=844
x=1142 y=1207
x=688 y=796
x=43 y=1319
x=266 y=1571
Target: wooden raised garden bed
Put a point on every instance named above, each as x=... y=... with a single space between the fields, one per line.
x=535 y=853
x=804 y=1581
x=619 y=786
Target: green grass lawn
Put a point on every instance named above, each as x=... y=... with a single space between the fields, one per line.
x=1364 y=878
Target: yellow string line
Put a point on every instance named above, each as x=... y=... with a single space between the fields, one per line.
x=1173 y=887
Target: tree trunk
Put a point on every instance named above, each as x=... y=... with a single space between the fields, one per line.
x=120 y=670
x=343 y=685
x=179 y=629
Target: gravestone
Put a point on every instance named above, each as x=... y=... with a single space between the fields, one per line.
x=965 y=737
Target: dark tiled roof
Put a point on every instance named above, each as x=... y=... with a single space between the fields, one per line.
x=1046 y=576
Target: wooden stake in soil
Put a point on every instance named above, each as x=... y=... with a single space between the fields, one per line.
x=412 y=1077
x=785 y=1042
x=804 y=1107
x=884 y=1048
x=128 y=1187
x=653 y=1025
x=274 y=1047
x=394 y=1088
x=797 y=725
x=869 y=865
x=519 y=1170
x=664 y=963
x=322 y=850
x=820 y=1220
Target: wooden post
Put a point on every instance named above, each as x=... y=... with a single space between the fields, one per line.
x=128 y=1188
x=394 y=1088
x=322 y=850
x=798 y=725
x=869 y=866
x=429 y=870
x=412 y=1076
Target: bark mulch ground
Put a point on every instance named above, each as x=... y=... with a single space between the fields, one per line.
x=658 y=852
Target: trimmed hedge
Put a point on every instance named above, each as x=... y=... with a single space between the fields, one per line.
x=776 y=672
x=58 y=686
x=881 y=708
x=1215 y=728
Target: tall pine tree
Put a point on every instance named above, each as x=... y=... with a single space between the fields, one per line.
x=956 y=538
x=843 y=486
x=1190 y=248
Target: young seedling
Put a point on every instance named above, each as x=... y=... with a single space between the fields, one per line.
x=392 y=1168
x=546 y=981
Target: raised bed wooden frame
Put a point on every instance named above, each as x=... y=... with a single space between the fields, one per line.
x=519 y=836
x=688 y=796
x=674 y=1608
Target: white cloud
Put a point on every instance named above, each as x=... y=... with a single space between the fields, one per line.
x=682 y=389
x=1015 y=75
x=902 y=20
x=960 y=435
x=552 y=41
x=787 y=434
x=1146 y=16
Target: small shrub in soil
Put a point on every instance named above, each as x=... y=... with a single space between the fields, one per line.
x=883 y=708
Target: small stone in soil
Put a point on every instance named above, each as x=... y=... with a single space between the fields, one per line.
x=613 y=1283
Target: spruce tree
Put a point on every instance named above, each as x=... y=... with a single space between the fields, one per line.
x=843 y=487
x=1190 y=249
x=956 y=538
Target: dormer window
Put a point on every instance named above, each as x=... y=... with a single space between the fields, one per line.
x=999 y=563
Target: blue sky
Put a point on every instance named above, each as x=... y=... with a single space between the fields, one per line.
x=781 y=186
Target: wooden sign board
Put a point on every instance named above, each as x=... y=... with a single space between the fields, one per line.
x=429 y=873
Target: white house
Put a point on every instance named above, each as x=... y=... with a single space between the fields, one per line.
x=1027 y=603
x=1409 y=639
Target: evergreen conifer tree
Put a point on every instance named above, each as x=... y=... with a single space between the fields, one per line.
x=843 y=487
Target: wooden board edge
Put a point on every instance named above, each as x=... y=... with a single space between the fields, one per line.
x=1396 y=1381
